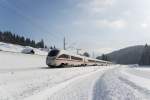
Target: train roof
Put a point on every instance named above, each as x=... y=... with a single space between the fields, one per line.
x=69 y=53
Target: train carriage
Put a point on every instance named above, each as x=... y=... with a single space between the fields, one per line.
x=61 y=58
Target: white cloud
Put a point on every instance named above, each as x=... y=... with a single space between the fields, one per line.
x=144 y=25
x=127 y=13
x=108 y=18
x=95 y=6
x=114 y=24
x=104 y=50
x=119 y=24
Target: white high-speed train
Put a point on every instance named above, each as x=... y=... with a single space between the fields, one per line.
x=61 y=58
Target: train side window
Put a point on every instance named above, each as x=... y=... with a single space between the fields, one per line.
x=76 y=58
x=98 y=61
x=64 y=56
x=91 y=60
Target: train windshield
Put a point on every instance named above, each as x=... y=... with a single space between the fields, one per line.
x=53 y=53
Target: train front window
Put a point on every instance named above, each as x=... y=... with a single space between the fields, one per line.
x=91 y=60
x=53 y=53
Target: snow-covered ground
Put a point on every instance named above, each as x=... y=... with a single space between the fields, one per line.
x=18 y=48
x=26 y=77
x=19 y=61
x=121 y=84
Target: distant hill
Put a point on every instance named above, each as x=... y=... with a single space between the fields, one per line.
x=129 y=55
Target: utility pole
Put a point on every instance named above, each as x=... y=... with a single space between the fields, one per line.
x=93 y=55
x=64 y=43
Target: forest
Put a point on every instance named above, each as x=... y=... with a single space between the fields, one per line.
x=9 y=37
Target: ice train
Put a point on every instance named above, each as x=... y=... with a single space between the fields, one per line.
x=62 y=58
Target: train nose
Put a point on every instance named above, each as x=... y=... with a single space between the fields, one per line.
x=50 y=60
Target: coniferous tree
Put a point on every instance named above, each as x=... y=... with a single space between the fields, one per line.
x=33 y=43
x=54 y=47
x=45 y=47
x=51 y=47
x=103 y=57
x=42 y=43
x=145 y=58
x=22 y=41
x=9 y=37
x=86 y=54
x=0 y=36
x=13 y=39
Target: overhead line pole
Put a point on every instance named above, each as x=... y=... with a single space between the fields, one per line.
x=64 y=43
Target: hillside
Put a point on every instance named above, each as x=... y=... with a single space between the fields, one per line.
x=8 y=47
x=129 y=55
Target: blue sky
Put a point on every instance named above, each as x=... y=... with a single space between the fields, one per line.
x=93 y=25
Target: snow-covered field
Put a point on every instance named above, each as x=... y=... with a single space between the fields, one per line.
x=18 y=48
x=26 y=77
x=120 y=84
x=19 y=61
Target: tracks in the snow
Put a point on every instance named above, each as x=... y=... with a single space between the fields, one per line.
x=18 y=85
x=114 y=85
x=77 y=88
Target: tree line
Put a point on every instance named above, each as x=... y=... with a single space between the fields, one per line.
x=103 y=57
x=9 y=37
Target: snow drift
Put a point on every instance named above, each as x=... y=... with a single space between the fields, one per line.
x=18 y=48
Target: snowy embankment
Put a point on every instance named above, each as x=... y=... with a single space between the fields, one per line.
x=20 y=61
x=76 y=88
x=8 y=47
x=124 y=83
x=35 y=84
